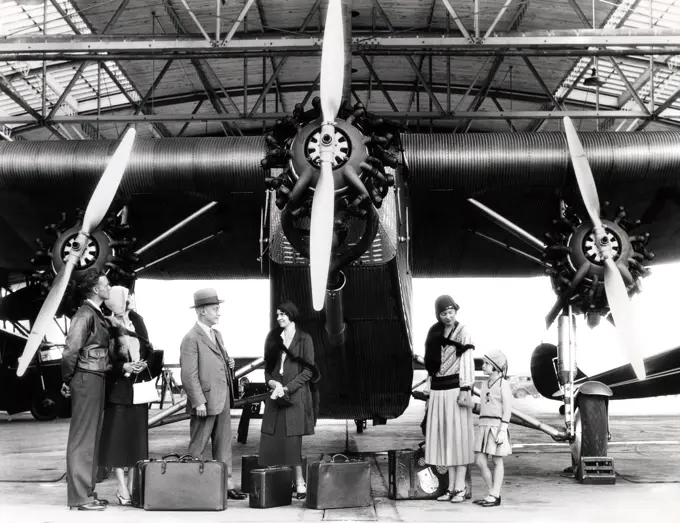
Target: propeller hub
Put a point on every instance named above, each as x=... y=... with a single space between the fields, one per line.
x=90 y=250
x=609 y=244
x=341 y=143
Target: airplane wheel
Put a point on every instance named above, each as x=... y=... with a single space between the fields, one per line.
x=590 y=427
x=45 y=407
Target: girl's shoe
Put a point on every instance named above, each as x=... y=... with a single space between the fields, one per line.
x=123 y=501
x=446 y=496
x=301 y=491
x=460 y=495
x=496 y=502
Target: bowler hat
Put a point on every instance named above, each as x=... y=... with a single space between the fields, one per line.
x=204 y=297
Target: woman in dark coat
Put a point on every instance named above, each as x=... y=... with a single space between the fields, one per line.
x=289 y=368
x=125 y=437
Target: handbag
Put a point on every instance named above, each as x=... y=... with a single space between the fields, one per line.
x=144 y=392
x=283 y=401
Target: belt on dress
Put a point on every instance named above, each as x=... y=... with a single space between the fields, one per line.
x=445 y=382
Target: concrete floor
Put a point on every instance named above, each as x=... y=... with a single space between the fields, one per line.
x=646 y=450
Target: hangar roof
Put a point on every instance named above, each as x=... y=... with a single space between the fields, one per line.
x=510 y=89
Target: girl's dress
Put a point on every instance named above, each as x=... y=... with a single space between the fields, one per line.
x=449 y=434
x=496 y=407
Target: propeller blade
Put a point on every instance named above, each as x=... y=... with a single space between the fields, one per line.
x=332 y=60
x=108 y=184
x=321 y=234
x=96 y=210
x=47 y=312
x=622 y=312
x=584 y=176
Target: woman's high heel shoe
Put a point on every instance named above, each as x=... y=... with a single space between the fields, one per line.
x=460 y=495
x=496 y=501
x=301 y=491
x=446 y=496
x=123 y=501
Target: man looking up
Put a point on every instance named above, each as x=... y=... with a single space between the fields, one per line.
x=83 y=370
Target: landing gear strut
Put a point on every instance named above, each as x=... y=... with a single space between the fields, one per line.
x=585 y=413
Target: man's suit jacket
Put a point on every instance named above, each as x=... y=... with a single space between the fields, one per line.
x=206 y=376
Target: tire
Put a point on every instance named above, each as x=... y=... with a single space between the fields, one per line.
x=591 y=427
x=594 y=422
x=45 y=407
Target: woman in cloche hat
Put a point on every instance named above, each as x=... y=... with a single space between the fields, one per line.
x=450 y=365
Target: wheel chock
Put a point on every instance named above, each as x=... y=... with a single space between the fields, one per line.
x=596 y=471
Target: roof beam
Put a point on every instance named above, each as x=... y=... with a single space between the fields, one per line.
x=12 y=95
x=237 y=22
x=146 y=45
x=380 y=84
x=275 y=74
x=433 y=115
x=263 y=24
x=202 y=68
x=159 y=129
x=411 y=63
x=303 y=87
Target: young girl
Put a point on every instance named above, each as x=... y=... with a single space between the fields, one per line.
x=492 y=437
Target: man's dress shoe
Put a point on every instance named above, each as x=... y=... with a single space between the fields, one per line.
x=236 y=494
x=92 y=505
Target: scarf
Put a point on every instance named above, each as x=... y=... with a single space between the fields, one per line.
x=433 y=344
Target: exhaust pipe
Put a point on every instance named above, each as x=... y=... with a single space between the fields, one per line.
x=181 y=404
x=335 y=323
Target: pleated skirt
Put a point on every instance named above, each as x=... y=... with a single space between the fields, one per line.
x=485 y=441
x=449 y=437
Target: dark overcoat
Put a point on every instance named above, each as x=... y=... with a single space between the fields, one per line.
x=119 y=388
x=300 y=415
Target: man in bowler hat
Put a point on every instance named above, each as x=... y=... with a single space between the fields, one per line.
x=207 y=379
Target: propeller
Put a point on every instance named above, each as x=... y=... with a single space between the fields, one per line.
x=617 y=295
x=96 y=210
x=321 y=228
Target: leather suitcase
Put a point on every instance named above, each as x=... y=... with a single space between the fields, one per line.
x=336 y=484
x=411 y=478
x=270 y=487
x=180 y=483
x=250 y=462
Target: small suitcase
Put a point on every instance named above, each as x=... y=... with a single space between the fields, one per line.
x=336 y=484
x=180 y=483
x=411 y=478
x=270 y=487
x=250 y=462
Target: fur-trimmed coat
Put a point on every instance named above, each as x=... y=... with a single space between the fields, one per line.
x=300 y=415
x=435 y=340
